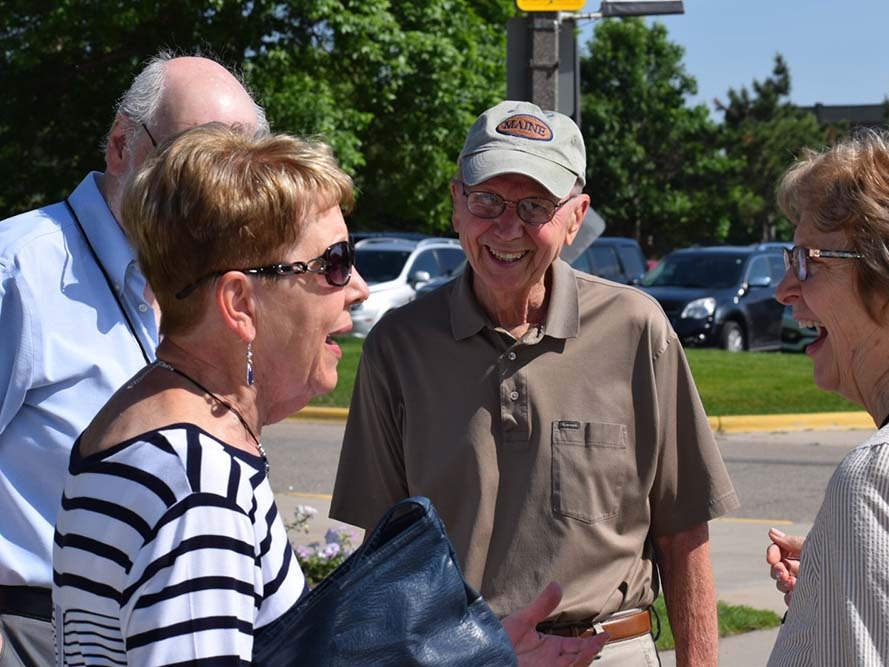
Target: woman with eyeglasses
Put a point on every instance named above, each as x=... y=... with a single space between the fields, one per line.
x=836 y=580
x=168 y=545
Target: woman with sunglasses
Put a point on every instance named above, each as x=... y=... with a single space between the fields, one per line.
x=168 y=545
x=836 y=581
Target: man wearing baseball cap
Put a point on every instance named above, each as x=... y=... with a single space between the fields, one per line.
x=549 y=415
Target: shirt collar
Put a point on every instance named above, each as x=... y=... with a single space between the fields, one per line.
x=562 y=314
x=101 y=228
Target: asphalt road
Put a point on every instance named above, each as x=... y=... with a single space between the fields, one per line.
x=778 y=476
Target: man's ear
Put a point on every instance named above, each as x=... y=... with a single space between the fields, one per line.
x=118 y=145
x=455 y=219
x=576 y=219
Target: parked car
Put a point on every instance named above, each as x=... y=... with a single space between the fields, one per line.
x=394 y=268
x=721 y=295
x=614 y=258
x=361 y=234
x=795 y=338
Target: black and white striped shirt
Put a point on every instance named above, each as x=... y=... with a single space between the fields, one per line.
x=839 y=611
x=168 y=549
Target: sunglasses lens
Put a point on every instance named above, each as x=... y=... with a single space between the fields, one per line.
x=340 y=258
x=799 y=255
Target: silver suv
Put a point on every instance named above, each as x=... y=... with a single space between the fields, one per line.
x=394 y=268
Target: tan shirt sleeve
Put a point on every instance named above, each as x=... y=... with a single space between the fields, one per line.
x=371 y=472
x=692 y=485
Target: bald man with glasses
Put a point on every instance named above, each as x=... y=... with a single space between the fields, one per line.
x=550 y=415
x=77 y=321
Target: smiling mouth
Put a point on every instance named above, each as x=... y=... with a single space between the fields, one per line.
x=812 y=324
x=508 y=257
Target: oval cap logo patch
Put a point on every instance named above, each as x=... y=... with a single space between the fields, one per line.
x=525 y=126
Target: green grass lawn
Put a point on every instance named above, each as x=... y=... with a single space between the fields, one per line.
x=741 y=383
x=340 y=397
x=733 y=620
x=759 y=383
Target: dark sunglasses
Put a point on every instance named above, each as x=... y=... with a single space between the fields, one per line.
x=797 y=258
x=335 y=264
x=531 y=210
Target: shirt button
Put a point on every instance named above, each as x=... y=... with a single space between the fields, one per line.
x=511 y=356
x=143 y=308
x=514 y=395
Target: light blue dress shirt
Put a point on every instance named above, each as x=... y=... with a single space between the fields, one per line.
x=65 y=347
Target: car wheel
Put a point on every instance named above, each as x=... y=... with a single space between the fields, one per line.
x=732 y=337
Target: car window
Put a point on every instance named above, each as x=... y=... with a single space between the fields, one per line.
x=426 y=261
x=759 y=269
x=450 y=259
x=632 y=260
x=776 y=268
x=378 y=266
x=582 y=262
x=603 y=261
x=697 y=269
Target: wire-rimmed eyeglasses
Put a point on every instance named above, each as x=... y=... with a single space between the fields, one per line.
x=150 y=136
x=797 y=257
x=335 y=264
x=531 y=210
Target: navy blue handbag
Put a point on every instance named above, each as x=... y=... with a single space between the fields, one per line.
x=400 y=600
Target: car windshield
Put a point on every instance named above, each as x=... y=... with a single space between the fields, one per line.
x=696 y=270
x=378 y=266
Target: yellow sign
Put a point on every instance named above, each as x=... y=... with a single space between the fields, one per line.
x=550 y=5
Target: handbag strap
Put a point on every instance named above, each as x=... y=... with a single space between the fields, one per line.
x=401 y=514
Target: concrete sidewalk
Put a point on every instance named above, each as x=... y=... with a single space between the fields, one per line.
x=738 y=551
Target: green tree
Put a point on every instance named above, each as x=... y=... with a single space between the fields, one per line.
x=392 y=85
x=763 y=132
x=655 y=171
x=64 y=64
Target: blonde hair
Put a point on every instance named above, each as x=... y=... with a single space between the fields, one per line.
x=215 y=198
x=846 y=188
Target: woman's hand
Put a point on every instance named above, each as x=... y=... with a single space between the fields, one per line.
x=783 y=557
x=535 y=648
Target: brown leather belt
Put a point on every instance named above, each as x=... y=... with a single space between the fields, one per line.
x=622 y=627
x=26 y=601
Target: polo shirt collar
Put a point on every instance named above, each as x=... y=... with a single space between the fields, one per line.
x=101 y=228
x=562 y=314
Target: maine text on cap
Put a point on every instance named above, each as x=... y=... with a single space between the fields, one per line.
x=528 y=127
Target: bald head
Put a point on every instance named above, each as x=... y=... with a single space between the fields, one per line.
x=168 y=96
x=198 y=91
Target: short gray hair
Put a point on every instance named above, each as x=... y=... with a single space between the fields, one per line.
x=141 y=100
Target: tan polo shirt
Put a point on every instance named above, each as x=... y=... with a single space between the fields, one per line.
x=554 y=457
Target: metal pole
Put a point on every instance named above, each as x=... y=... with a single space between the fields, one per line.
x=545 y=60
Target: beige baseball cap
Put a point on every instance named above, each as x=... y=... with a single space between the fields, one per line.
x=521 y=138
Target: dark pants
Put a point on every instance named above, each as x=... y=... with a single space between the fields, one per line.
x=27 y=642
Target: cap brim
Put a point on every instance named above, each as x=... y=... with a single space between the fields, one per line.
x=482 y=166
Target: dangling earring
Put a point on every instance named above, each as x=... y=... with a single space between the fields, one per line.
x=250 y=363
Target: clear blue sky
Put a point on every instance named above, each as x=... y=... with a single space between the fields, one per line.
x=837 y=50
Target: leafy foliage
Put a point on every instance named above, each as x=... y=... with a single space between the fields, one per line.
x=392 y=85
x=763 y=133
x=654 y=171
x=318 y=560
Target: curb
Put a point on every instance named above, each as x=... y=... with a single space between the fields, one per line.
x=311 y=413
x=726 y=424
x=792 y=422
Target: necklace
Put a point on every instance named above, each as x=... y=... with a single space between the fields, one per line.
x=169 y=367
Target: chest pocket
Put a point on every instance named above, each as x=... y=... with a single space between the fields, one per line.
x=590 y=463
